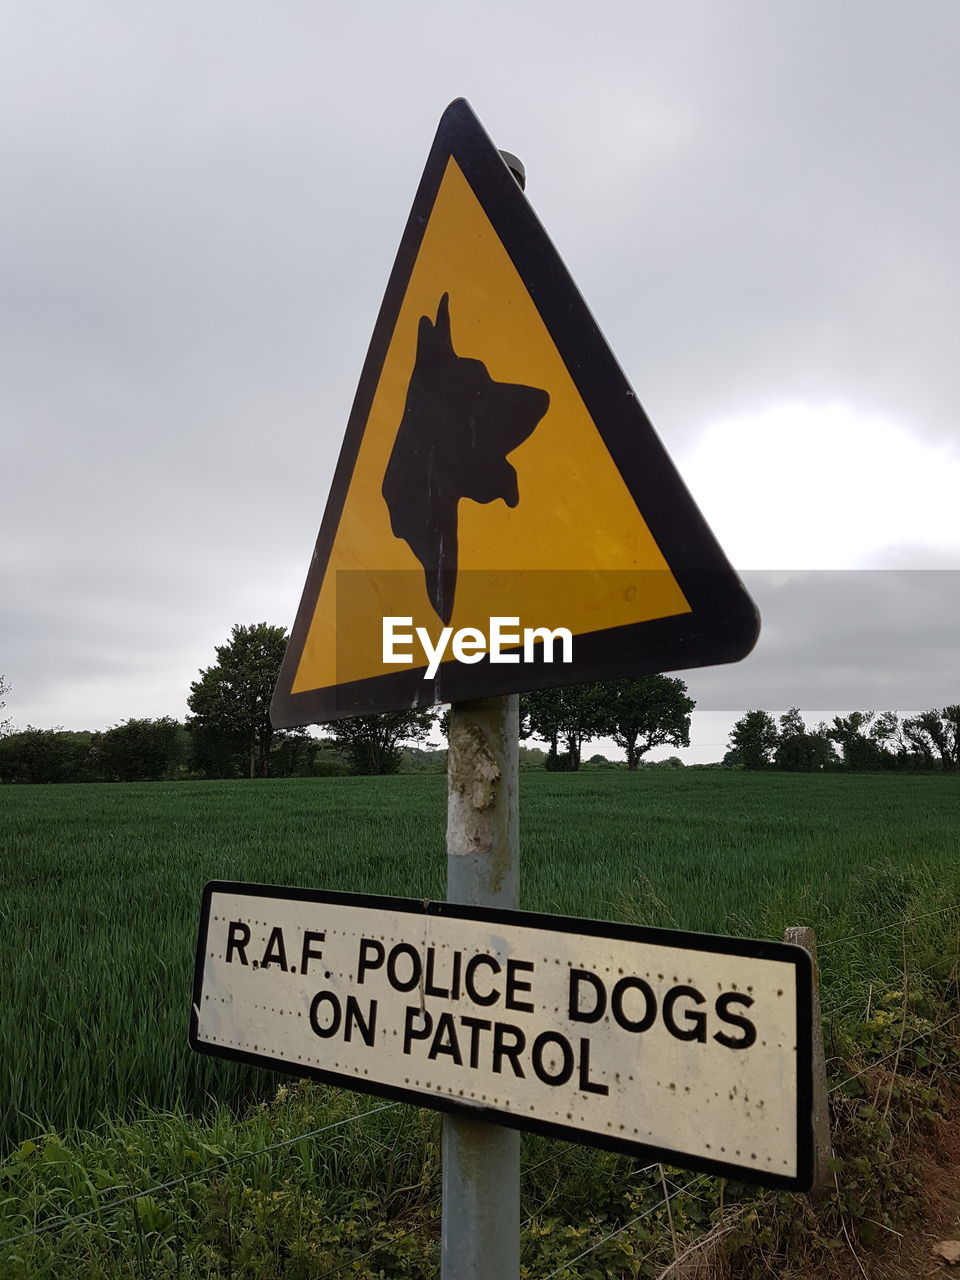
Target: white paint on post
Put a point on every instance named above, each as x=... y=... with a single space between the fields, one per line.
x=480 y=1238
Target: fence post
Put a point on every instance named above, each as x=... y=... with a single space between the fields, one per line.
x=803 y=936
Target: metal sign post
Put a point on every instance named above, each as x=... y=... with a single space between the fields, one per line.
x=481 y=1161
x=486 y=387
x=480 y=1210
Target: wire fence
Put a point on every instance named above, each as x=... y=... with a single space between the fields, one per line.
x=435 y=1220
x=892 y=926
x=598 y=1244
x=894 y=1053
x=912 y=973
x=64 y=1221
x=352 y=1263
x=61 y=1223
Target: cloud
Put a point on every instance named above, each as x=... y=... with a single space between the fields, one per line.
x=844 y=640
x=201 y=211
x=822 y=486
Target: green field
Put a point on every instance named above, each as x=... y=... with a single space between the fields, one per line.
x=101 y=889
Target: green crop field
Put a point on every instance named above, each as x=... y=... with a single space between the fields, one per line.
x=101 y=888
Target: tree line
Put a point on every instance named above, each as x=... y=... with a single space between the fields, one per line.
x=862 y=740
x=228 y=733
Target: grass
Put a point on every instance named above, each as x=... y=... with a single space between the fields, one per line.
x=101 y=889
x=99 y=902
x=360 y=1199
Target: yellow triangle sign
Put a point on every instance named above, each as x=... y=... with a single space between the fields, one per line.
x=499 y=485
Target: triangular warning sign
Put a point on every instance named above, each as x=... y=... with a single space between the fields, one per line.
x=499 y=483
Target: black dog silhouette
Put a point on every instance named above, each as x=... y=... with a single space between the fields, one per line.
x=457 y=428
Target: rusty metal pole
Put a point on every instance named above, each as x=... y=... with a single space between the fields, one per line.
x=481 y=1162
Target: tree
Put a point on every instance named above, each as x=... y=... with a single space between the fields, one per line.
x=935 y=731
x=671 y=762
x=853 y=735
x=541 y=716
x=373 y=743
x=139 y=750
x=754 y=736
x=423 y=759
x=887 y=732
x=294 y=753
x=642 y=712
x=573 y=715
x=45 y=755
x=5 y=725
x=800 y=750
x=231 y=703
x=822 y=748
x=532 y=758
x=951 y=717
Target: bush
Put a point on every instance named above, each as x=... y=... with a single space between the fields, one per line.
x=140 y=751
x=45 y=755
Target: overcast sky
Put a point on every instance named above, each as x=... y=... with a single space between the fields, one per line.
x=202 y=202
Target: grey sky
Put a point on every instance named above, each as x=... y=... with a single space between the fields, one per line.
x=202 y=203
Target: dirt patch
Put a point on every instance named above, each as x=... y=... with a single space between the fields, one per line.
x=908 y=1256
x=900 y=1255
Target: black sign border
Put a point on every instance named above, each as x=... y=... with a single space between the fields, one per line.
x=754 y=949
x=723 y=625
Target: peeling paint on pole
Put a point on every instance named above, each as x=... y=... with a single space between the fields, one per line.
x=482 y=803
x=473 y=772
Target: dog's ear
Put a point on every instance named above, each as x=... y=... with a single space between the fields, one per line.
x=435 y=334
x=425 y=332
x=443 y=321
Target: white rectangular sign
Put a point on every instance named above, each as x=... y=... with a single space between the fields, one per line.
x=686 y=1048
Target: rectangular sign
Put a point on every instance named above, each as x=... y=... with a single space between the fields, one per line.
x=687 y=1048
